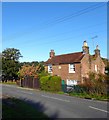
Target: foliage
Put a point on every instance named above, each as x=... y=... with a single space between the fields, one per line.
x=0 y=64
x=29 y=75
x=50 y=83
x=43 y=73
x=11 y=54
x=10 y=63
x=89 y=96
x=106 y=62
x=42 y=68
x=28 y=70
x=35 y=63
x=95 y=84
x=30 y=63
x=10 y=83
x=10 y=69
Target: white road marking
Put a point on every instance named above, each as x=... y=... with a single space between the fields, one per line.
x=98 y=109
x=55 y=98
x=24 y=92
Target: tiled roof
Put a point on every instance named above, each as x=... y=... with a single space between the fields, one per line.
x=66 y=58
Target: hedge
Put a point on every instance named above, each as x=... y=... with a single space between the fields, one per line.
x=50 y=83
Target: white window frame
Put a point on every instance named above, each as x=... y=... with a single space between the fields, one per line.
x=71 y=68
x=72 y=82
x=96 y=68
x=50 y=68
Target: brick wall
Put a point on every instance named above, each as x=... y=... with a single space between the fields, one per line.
x=63 y=71
x=81 y=69
x=100 y=65
x=85 y=67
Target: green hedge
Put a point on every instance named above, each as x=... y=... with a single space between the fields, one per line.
x=50 y=83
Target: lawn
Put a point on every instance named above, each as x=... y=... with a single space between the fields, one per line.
x=13 y=108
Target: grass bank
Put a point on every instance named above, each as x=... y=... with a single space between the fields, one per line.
x=13 y=108
x=90 y=96
x=9 y=83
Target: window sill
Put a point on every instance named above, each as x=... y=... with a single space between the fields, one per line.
x=71 y=72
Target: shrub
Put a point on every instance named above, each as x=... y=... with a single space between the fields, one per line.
x=79 y=88
x=95 y=84
x=28 y=70
x=50 y=83
x=43 y=73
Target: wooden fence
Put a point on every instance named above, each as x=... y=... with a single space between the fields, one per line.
x=29 y=82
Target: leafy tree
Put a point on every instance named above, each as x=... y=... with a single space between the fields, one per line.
x=35 y=63
x=11 y=54
x=0 y=65
x=106 y=62
x=10 y=63
x=28 y=70
x=30 y=63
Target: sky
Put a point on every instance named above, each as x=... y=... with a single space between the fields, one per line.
x=37 y=27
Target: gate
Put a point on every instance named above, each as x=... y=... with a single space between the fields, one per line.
x=30 y=82
x=64 y=87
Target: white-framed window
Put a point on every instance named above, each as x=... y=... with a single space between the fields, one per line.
x=72 y=82
x=71 y=68
x=96 y=69
x=49 y=68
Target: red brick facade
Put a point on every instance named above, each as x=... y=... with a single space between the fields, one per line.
x=83 y=62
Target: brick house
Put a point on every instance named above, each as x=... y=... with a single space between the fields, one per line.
x=74 y=67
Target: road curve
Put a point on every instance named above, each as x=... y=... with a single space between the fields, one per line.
x=58 y=106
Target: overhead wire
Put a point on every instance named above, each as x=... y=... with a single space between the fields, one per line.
x=78 y=13
x=63 y=19
x=64 y=39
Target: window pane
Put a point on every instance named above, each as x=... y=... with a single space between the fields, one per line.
x=71 y=68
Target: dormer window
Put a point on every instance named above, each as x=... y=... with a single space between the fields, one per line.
x=49 y=68
x=71 y=68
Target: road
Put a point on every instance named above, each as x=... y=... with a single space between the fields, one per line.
x=58 y=106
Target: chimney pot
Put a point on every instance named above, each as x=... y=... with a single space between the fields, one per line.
x=85 y=47
x=52 y=53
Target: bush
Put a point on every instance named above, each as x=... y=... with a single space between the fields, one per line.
x=79 y=88
x=50 y=83
x=43 y=73
x=96 y=86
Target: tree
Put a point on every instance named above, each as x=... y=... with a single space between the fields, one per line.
x=0 y=66
x=30 y=63
x=40 y=65
x=28 y=70
x=106 y=62
x=10 y=63
x=11 y=54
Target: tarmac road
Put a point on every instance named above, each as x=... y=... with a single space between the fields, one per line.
x=58 y=106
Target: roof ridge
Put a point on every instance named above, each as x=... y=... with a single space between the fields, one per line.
x=80 y=57
x=66 y=58
x=67 y=54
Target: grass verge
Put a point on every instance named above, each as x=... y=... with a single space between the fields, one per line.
x=13 y=108
x=90 y=96
x=9 y=83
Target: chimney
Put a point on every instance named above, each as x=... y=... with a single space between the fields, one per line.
x=97 y=51
x=52 y=54
x=85 y=47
